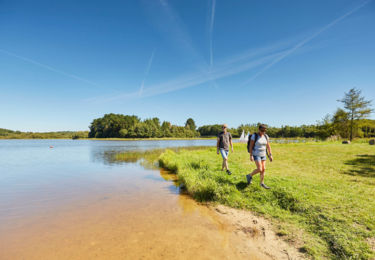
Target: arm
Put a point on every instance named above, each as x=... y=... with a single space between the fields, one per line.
x=269 y=151
x=217 y=145
x=251 y=149
x=231 y=144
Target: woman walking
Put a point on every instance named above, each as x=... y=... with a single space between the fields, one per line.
x=259 y=148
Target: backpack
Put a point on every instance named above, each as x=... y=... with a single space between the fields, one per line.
x=256 y=139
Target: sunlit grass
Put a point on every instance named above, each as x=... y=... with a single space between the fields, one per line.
x=325 y=190
x=147 y=158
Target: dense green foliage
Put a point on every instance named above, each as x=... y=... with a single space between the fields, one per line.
x=125 y=126
x=9 y=134
x=349 y=122
x=321 y=193
x=212 y=130
x=356 y=107
x=304 y=131
x=190 y=123
x=336 y=125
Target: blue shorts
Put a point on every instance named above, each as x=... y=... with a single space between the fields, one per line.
x=260 y=158
x=224 y=153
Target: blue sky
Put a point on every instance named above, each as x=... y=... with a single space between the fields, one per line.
x=64 y=63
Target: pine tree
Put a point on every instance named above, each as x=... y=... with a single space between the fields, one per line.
x=356 y=106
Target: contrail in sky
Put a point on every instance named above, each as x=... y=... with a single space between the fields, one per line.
x=179 y=33
x=262 y=58
x=147 y=70
x=308 y=39
x=233 y=65
x=211 y=29
x=194 y=79
x=48 y=67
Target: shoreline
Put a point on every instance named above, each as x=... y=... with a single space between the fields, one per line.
x=117 y=139
x=258 y=233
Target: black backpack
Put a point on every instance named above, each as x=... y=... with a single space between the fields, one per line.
x=256 y=139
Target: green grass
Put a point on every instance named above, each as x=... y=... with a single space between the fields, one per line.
x=322 y=193
x=147 y=158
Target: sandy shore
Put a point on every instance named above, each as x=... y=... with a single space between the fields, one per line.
x=256 y=234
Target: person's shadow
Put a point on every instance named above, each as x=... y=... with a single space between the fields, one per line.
x=363 y=165
x=241 y=185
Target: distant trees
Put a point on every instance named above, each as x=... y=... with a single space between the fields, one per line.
x=340 y=123
x=366 y=128
x=126 y=126
x=210 y=130
x=357 y=108
x=113 y=125
x=10 y=134
x=304 y=131
x=336 y=125
x=190 y=124
x=348 y=122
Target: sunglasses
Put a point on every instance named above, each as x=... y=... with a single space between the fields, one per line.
x=263 y=129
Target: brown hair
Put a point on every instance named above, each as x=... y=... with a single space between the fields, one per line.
x=262 y=126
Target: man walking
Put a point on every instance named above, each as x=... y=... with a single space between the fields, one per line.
x=224 y=139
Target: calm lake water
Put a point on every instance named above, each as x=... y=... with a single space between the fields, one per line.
x=72 y=202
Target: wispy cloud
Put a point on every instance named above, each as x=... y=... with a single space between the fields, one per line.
x=200 y=78
x=147 y=71
x=305 y=41
x=195 y=79
x=257 y=58
x=245 y=61
x=169 y=23
x=211 y=31
x=47 y=67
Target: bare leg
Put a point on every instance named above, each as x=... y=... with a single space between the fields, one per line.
x=262 y=172
x=225 y=162
x=258 y=169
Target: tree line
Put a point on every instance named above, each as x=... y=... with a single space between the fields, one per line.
x=10 y=134
x=131 y=126
x=347 y=122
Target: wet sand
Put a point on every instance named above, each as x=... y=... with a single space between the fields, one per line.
x=160 y=225
x=145 y=225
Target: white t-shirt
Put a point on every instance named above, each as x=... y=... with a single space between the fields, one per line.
x=260 y=147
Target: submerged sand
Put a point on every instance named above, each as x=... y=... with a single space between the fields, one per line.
x=148 y=221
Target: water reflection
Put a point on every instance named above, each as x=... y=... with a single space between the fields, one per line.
x=78 y=200
x=105 y=151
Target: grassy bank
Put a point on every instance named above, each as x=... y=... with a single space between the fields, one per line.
x=10 y=134
x=322 y=193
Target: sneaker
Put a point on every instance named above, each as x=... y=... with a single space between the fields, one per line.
x=264 y=186
x=229 y=172
x=249 y=179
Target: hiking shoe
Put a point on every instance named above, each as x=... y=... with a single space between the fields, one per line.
x=229 y=172
x=249 y=179
x=264 y=186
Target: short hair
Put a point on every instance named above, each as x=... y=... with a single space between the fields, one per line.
x=262 y=126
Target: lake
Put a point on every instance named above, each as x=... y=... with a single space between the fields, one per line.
x=66 y=199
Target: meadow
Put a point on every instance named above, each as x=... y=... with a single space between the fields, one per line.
x=321 y=197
